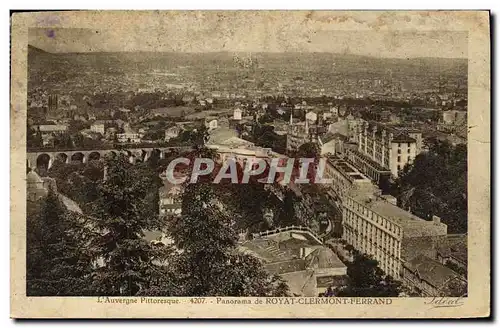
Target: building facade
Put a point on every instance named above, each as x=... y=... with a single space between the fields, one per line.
x=390 y=149
x=344 y=178
x=128 y=137
x=170 y=199
x=376 y=172
x=98 y=127
x=378 y=228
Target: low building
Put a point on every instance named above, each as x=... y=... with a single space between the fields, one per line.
x=312 y=117
x=237 y=114
x=98 y=127
x=172 y=132
x=427 y=277
x=36 y=187
x=211 y=123
x=170 y=196
x=229 y=146
x=332 y=143
x=299 y=257
x=49 y=129
x=453 y=252
x=128 y=137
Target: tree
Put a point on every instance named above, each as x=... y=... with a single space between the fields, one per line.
x=366 y=279
x=77 y=140
x=309 y=150
x=264 y=136
x=209 y=264
x=266 y=118
x=78 y=181
x=436 y=184
x=33 y=138
x=288 y=216
x=122 y=214
x=75 y=126
x=63 y=140
x=59 y=258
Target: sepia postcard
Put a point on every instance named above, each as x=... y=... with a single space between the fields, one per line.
x=250 y=164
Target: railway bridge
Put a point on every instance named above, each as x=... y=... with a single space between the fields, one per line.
x=37 y=158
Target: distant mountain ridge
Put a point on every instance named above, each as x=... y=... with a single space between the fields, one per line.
x=332 y=55
x=33 y=49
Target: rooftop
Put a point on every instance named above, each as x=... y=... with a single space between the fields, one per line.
x=346 y=169
x=399 y=135
x=431 y=271
x=301 y=283
x=454 y=246
x=403 y=137
x=322 y=258
x=328 y=281
x=33 y=177
x=368 y=160
x=412 y=225
x=52 y=128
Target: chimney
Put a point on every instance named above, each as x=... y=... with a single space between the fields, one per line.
x=436 y=219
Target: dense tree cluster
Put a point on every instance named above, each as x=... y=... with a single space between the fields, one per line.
x=122 y=214
x=78 y=181
x=209 y=264
x=366 y=279
x=264 y=136
x=59 y=254
x=106 y=253
x=436 y=184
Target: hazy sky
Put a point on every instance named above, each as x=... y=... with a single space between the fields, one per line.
x=245 y=33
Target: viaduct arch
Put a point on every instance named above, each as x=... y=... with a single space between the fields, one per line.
x=45 y=159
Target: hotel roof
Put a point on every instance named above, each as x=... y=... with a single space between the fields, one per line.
x=346 y=169
x=412 y=225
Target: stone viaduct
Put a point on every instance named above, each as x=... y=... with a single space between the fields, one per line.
x=40 y=157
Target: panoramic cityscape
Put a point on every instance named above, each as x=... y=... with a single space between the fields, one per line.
x=126 y=154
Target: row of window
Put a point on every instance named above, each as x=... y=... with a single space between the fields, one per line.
x=408 y=159
x=367 y=213
x=408 y=145
x=399 y=151
x=385 y=243
x=387 y=262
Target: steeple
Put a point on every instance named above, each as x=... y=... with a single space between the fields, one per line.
x=291 y=116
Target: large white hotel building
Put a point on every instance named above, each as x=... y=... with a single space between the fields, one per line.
x=389 y=234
